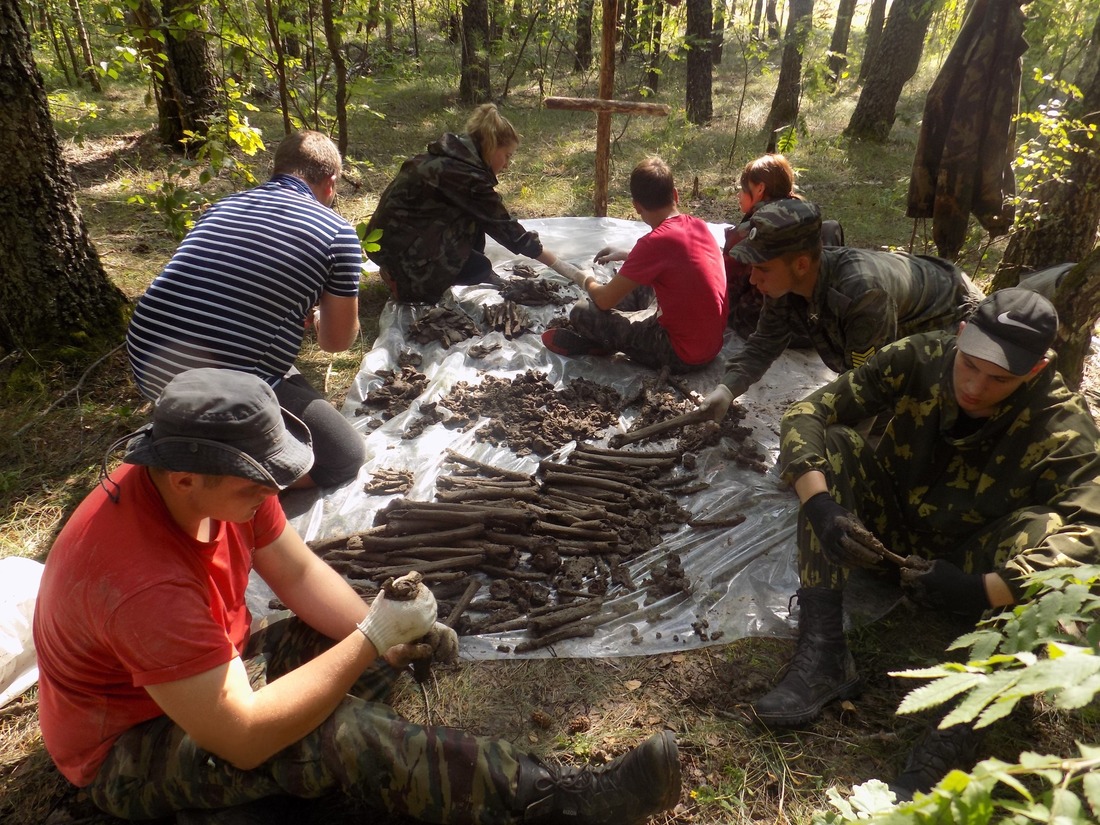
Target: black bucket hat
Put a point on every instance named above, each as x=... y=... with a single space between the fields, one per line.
x=223 y=422
x=1012 y=328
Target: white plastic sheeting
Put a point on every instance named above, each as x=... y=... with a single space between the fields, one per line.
x=742 y=577
x=19 y=580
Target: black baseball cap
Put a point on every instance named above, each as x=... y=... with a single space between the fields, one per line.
x=1012 y=328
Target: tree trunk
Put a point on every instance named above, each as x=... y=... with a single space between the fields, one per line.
x=630 y=29
x=895 y=61
x=89 y=73
x=700 y=66
x=655 y=10
x=773 y=19
x=54 y=292
x=784 y=111
x=873 y=35
x=51 y=24
x=1078 y=303
x=340 y=69
x=838 y=46
x=280 y=64
x=71 y=50
x=190 y=87
x=583 y=53
x=473 y=86
x=1064 y=228
x=718 y=33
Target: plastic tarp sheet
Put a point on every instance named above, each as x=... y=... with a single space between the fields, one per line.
x=19 y=580
x=742 y=578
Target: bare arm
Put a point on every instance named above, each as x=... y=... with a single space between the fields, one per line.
x=608 y=295
x=337 y=322
x=315 y=592
x=219 y=708
x=224 y=715
x=810 y=484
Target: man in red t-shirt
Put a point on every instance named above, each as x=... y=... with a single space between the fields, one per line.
x=156 y=698
x=666 y=306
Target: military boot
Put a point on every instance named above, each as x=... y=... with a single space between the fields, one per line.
x=625 y=791
x=822 y=668
x=936 y=754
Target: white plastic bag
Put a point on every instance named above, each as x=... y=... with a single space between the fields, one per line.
x=19 y=580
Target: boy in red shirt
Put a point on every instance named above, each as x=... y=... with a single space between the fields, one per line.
x=155 y=696
x=667 y=305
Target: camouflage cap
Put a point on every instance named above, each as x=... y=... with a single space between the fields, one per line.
x=778 y=227
x=1012 y=328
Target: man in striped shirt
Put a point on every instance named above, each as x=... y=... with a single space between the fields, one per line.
x=259 y=268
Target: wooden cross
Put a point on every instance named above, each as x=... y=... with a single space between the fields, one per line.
x=604 y=106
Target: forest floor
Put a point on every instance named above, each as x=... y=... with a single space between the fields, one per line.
x=573 y=710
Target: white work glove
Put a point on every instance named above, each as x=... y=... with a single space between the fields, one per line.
x=573 y=273
x=717 y=403
x=392 y=622
x=609 y=254
x=441 y=644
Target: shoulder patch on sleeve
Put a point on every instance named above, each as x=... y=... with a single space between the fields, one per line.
x=859 y=357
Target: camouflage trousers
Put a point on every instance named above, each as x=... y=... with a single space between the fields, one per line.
x=633 y=328
x=859 y=482
x=432 y=773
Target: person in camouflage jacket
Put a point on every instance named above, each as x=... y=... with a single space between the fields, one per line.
x=848 y=302
x=435 y=214
x=987 y=471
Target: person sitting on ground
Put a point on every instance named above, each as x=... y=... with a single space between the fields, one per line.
x=435 y=214
x=767 y=178
x=848 y=302
x=257 y=270
x=156 y=698
x=666 y=306
x=988 y=469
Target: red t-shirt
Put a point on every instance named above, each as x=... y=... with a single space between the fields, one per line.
x=128 y=599
x=681 y=260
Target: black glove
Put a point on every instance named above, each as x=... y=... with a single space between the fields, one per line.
x=943 y=585
x=844 y=539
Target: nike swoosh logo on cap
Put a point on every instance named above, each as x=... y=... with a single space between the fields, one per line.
x=1004 y=319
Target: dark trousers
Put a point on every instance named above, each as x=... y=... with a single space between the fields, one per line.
x=432 y=773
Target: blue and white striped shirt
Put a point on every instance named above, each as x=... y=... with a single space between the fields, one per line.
x=237 y=291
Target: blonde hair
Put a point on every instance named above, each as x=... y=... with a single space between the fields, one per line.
x=309 y=155
x=490 y=130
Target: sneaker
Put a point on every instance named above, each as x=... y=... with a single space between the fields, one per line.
x=566 y=342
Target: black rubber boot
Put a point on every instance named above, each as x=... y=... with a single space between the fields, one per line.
x=272 y=810
x=822 y=668
x=936 y=754
x=625 y=791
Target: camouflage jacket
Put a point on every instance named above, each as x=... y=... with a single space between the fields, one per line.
x=435 y=212
x=862 y=301
x=1040 y=451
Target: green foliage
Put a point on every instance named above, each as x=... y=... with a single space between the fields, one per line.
x=1046 y=156
x=1045 y=646
x=174 y=199
x=368 y=240
x=70 y=110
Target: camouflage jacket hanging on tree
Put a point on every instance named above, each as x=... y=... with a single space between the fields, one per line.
x=437 y=211
x=1040 y=452
x=862 y=301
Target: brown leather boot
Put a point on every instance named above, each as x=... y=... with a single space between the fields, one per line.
x=822 y=668
x=625 y=791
